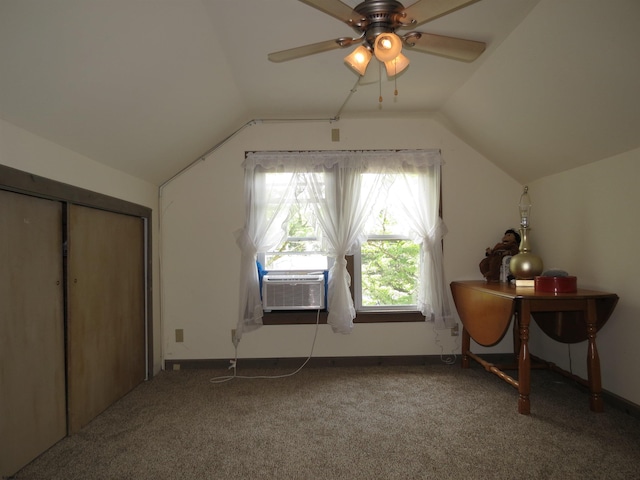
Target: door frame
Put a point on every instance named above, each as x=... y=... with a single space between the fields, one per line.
x=18 y=181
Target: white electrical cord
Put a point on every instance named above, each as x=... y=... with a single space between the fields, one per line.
x=448 y=359
x=234 y=363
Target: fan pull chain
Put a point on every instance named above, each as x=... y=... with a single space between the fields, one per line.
x=395 y=78
x=380 y=81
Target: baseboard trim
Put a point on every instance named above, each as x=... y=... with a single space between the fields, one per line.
x=610 y=399
x=295 y=362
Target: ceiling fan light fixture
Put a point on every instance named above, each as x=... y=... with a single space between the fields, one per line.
x=387 y=46
x=359 y=59
x=397 y=65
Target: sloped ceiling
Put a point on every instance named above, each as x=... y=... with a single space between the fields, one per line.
x=147 y=86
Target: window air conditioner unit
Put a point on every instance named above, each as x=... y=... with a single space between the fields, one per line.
x=293 y=292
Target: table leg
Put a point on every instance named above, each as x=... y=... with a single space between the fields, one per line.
x=466 y=346
x=516 y=334
x=524 y=360
x=593 y=360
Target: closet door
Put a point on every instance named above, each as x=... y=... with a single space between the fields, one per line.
x=105 y=324
x=32 y=373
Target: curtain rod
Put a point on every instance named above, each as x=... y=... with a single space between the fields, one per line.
x=356 y=150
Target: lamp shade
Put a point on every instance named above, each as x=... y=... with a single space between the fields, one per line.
x=387 y=46
x=396 y=65
x=359 y=59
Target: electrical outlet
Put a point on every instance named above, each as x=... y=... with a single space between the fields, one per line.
x=179 y=335
x=455 y=331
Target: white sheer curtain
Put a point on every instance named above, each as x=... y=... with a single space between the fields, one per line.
x=422 y=212
x=265 y=217
x=341 y=207
x=342 y=213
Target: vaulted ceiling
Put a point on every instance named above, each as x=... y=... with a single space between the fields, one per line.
x=147 y=86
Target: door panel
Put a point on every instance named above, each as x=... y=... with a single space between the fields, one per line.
x=105 y=325
x=32 y=373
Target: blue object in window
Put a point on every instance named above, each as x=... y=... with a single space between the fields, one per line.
x=261 y=273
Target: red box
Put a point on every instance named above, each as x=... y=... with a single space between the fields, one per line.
x=556 y=284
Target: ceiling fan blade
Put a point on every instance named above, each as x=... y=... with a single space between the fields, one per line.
x=450 y=47
x=311 y=49
x=425 y=10
x=336 y=9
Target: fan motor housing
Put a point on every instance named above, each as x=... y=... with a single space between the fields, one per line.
x=381 y=16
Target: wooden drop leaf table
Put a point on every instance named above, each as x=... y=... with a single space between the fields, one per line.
x=487 y=309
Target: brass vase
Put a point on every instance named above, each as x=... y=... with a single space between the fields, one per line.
x=525 y=265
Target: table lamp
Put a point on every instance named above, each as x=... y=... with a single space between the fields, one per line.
x=525 y=265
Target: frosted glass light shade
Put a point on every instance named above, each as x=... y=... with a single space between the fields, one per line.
x=359 y=59
x=387 y=46
x=396 y=65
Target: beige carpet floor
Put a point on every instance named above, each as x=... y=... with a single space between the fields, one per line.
x=434 y=421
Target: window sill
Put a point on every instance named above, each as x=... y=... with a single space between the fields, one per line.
x=304 y=317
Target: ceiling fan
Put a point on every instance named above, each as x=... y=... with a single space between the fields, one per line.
x=376 y=21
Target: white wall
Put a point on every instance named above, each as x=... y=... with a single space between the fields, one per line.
x=27 y=152
x=586 y=222
x=204 y=206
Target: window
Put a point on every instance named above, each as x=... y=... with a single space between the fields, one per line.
x=301 y=245
x=387 y=265
x=382 y=206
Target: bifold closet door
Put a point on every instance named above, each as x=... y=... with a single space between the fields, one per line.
x=32 y=372
x=105 y=319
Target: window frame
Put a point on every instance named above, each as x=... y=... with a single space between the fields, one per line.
x=310 y=317
x=356 y=281
x=262 y=256
x=302 y=317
